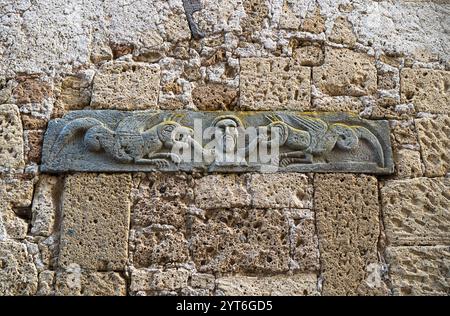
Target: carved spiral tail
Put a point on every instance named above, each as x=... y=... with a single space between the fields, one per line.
x=364 y=133
x=71 y=130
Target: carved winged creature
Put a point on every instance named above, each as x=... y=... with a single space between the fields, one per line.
x=138 y=138
x=308 y=137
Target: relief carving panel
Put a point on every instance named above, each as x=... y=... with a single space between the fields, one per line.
x=108 y=141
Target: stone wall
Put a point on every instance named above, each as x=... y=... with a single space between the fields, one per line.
x=254 y=234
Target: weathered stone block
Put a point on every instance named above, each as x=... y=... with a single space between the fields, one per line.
x=33 y=145
x=346 y=72
x=76 y=90
x=310 y=54
x=11 y=137
x=95 y=221
x=289 y=190
x=222 y=191
x=282 y=285
x=31 y=89
x=159 y=280
x=115 y=141
x=347 y=215
x=18 y=275
x=76 y=282
x=214 y=97
x=126 y=86
x=417 y=211
x=159 y=246
x=304 y=241
x=428 y=89
x=274 y=84
x=46 y=202
x=419 y=270
x=240 y=240
x=161 y=199
x=434 y=139
x=408 y=163
x=342 y=32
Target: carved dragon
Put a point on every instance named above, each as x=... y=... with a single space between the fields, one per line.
x=308 y=137
x=138 y=138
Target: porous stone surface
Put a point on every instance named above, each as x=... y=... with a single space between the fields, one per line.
x=46 y=202
x=126 y=86
x=11 y=138
x=95 y=221
x=222 y=191
x=275 y=83
x=219 y=234
x=287 y=190
x=347 y=213
x=76 y=282
x=434 y=139
x=240 y=240
x=345 y=72
x=419 y=270
x=290 y=285
x=416 y=211
x=18 y=275
x=428 y=90
x=409 y=163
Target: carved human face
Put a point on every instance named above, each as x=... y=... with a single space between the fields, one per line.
x=227 y=134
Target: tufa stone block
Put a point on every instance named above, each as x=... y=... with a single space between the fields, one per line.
x=126 y=86
x=416 y=211
x=95 y=221
x=11 y=137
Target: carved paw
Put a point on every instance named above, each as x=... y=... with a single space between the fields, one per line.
x=161 y=163
x=175 y=158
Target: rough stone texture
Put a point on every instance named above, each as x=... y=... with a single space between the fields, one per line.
x=33 y=145
x=409 y=163
x=419 y=270
x=222 y=191
x=76 y=90
x=126 y=86
x=46 y=204
x=240 y=240
x=160 y=246
x=342 y=32
x=15 y=199
x=310 y=54
x=18 y=275
x=11 y=138
x=428 y=90
x=434 y=139
x=159 y=280
x=275 y=83
x=161 y=199
x=290 y=190
x=347 y=215
x=346 y=72
x=417 y=211
x=95 y=221
x=75 y=282
x=290 y=285
x=214 y=97
x=31 y=90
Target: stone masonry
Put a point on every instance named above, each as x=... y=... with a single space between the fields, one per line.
x=181 y=233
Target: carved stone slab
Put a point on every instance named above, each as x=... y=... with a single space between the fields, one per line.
x=117 y=141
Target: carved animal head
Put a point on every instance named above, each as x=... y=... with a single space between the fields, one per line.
x=96 y=136
x=347 y=138
x=170 y=132
x=290 y=136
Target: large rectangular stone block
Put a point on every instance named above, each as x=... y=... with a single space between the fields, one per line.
x=417 y=211
x=11 y=137
x=347 y=215
x=419 y=270
x=105 y=141
x=95 y=221
x=274 y=84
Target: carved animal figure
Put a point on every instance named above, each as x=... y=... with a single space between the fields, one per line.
x=309 y=137
x=138 y=138
x=190 y=7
